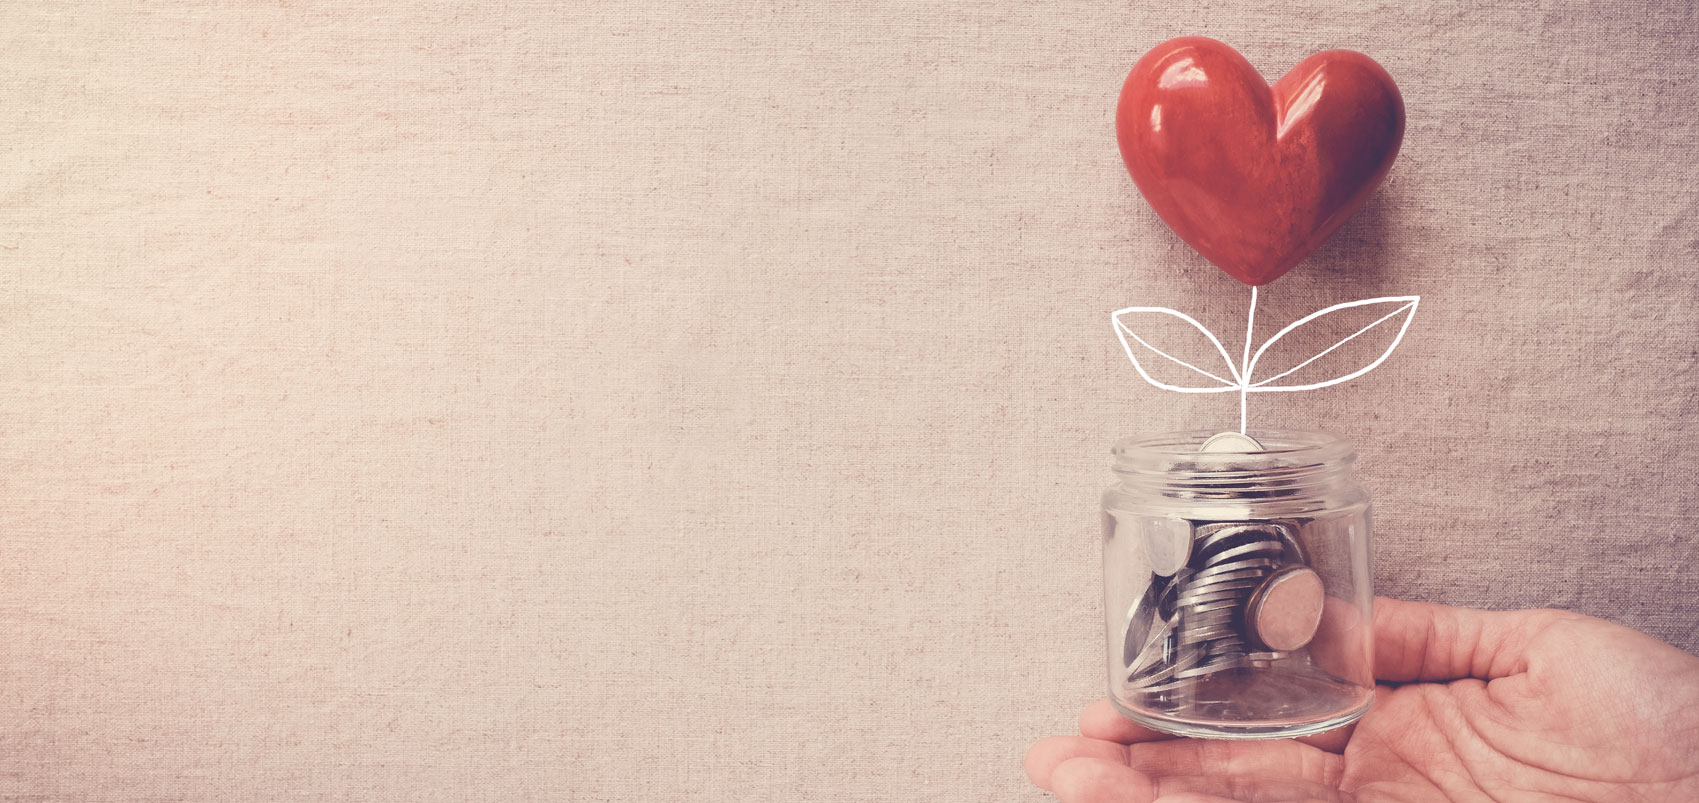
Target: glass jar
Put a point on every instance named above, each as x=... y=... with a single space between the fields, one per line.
x=1237 y=586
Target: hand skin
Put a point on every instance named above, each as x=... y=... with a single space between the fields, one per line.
x=1471 y=706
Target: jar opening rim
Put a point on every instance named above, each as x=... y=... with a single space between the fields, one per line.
x=1281 y=448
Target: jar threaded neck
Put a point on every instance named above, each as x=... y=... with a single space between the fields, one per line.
x=1293 y=463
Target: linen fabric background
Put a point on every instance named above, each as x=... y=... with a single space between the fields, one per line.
x=709 y=401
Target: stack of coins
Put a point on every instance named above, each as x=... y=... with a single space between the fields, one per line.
x=1196 y=623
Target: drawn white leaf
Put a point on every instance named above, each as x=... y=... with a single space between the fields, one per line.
x=1397 y=307
x=1126 y=323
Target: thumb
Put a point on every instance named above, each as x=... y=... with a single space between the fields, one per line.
x=1419 y=641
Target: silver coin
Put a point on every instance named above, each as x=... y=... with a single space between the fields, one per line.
x=1212 y=630
x=1169 y=603
x=1157 y=688
x=1215 y=602
x=1167 y=544
x=1227 y=572
x=1224 y=660
x=1155 y=652
x=1217 y=540
x=1201 y=644
x=1222 y=618
x=1231 y=442
x=1210 y=537
x=1210 y=597
x=1198 y=614
x=1208 y=583
x=1166 y=651
x=1213 y=605
x=1194 y=674
x=1226 y=639
x=1208 y=639
x=1288 y=532
x=1139 y=621
x=1255 y=548
x=1220 y=603
x=1229 y=575
x=1234 y=569
x=1217 y=583
x=1212 y=533
x=1238 y=655
x=1206 y=633
x=1223 y=603
x=1229 y=645
x=1200 y=673
x=1187 y=678
x=1285 y=611
x=1168 y=682
x=1247 y=563
x=1181 y=578
x=1218 y=571
x=1253 y=581
x=1184 y=659
x=1237 y=589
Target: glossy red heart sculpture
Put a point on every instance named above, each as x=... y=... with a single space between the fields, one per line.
x=1256 y=178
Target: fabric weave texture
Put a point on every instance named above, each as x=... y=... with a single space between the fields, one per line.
x=709 y=401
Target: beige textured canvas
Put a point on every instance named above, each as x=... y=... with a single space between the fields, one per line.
x=511 y=401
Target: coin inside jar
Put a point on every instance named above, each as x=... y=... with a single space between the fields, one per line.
x=1139 y=621
x=1230 y=442
x=1167 y=545
x=1285 y=611
x=1269 y=549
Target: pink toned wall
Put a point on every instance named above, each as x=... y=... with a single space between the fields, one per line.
x=591 y=401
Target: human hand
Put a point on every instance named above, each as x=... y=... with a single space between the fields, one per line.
x=1473 y=705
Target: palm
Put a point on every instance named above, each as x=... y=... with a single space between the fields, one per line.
x=1527 y=705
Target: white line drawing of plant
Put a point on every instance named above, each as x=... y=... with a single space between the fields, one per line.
x=1240 y=376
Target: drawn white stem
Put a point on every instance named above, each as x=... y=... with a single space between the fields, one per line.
x=1245 y=372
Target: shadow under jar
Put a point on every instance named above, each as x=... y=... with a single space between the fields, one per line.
x=1237 y=586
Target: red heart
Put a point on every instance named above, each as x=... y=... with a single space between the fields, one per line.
x=1253 y=178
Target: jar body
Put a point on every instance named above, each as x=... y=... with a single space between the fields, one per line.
x=1237 y=587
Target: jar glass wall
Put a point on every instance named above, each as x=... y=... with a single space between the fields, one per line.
x=1237 y=586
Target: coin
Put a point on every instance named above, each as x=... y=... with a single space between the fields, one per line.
x=1231 y=566
x=1185 y=658
x=1213 y=578
x=1190 y=619
x=1206 y=669
x=1207 y=633
x=1285 y=611
x=1167 y=544
x=1260 y=563
x=1270 y=549
x=1229 y=577
x=1230 y=644
x=1210 y=606
x=1210 y=536
x=1295 y=552
x=1165 y=603
x=1139 y=621
x=1232 y=442
x=1239 y=590
x=1160 y=645
x=1216 y=575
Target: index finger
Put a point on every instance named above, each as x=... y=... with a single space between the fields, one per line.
x=1420 y=641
